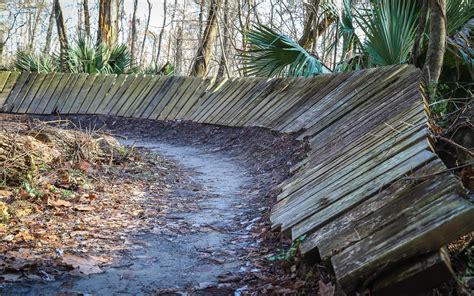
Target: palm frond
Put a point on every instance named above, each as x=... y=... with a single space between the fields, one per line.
x=35 y=63
x=390 y=29
x=458 y=13
x=274 y=54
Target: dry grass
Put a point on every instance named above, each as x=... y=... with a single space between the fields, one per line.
x=26 y=147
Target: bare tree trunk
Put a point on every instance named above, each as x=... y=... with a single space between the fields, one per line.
x=179 y=50
x=87 y=21
x=104 y=30
x=161 y=32
x=437 y=42
x=61 y=33
x=223 y=66
x=114 y=16
x=49 y=33
x=173 y=16
x=203 y=56
x=201 y=15
x=146 y=32
x=39 y=11
x=133 y=38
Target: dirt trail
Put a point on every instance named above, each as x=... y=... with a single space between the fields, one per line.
x=218 y=231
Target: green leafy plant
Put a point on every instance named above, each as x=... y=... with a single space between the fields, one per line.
x=35 y=63
x=275 y=54
x=288 y=255
x=390 y=28
x=86 y=57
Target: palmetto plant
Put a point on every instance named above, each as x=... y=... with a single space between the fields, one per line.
x=35 y=63
x=82 y=57
x=275 y=54
x=86 y=57
x=390 y=30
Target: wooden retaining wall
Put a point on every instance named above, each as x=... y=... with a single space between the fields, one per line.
x=370 y=196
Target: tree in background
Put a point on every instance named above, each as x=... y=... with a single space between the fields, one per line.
x=58 y=14
x=203 y=56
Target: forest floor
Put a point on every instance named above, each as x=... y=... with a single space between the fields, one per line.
x=186 y=211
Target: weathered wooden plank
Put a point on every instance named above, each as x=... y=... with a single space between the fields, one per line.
x=20 y=96
x=346 y=199
x=30 y=95
x=115 y=94
x=359 y=103
x=170 y=94
x=436 y=224
x=391 y=130
x=16 y=88
x=240 y=102
x=40 y=100
x=190 y=104
x=416 y=276
x=147 y=100
x=56 y=92
x=220 y=115
x=255 y=98
x=342 y=170
x=84 y=94
x=187 y=95
x=149 y=84
x=9 y=85
x=368 y=217
x=212 y=98
x=369 y=177
x=261 y=89
x=3 y=79
x=92 y=94
x=105 y=94
x=142 y=85
x=224 y=99
x=127 y=94
x=170 y=106
x=161 y=89
x=66 y=102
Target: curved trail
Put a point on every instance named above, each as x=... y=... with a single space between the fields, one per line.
x=187 y=262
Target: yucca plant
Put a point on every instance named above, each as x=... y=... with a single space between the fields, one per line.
x=390 y=30
x=35 y=63
x=274 y=54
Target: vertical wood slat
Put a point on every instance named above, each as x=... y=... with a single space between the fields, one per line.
x=105 y=92
x=113 y=96
x=123 y=92
x=61 y=96
x=193 y=99
x=167 y=95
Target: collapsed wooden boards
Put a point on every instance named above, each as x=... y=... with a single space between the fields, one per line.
x=361 y=196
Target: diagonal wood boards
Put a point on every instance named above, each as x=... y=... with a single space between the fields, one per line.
x=361 y=196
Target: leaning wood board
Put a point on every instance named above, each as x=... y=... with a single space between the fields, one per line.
x=361 y=195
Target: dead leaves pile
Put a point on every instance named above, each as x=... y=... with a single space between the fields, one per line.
x=75 y=217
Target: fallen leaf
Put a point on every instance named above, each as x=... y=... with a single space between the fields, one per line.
x=59 y=203
x=84 y=208
x=326 y=289
x=5 y=193
x=85 y=266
